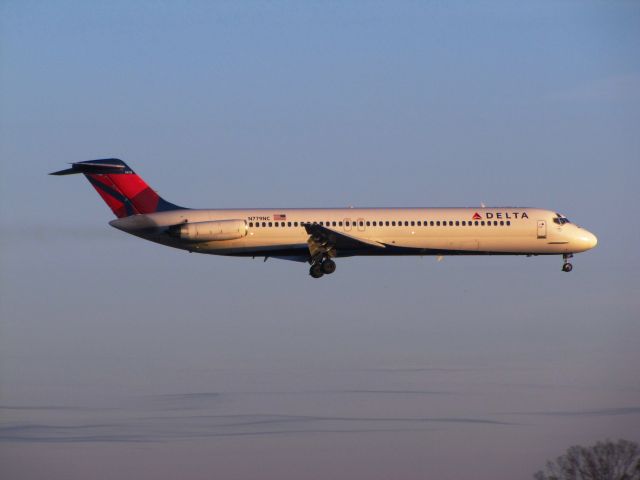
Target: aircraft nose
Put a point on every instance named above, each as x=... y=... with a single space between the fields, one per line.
x=587 y=240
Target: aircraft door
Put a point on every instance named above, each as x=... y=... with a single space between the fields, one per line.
x=542 y=229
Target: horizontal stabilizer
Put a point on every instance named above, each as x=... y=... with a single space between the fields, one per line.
x=106 y=166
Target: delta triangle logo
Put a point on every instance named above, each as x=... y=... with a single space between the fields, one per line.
x=476 y=216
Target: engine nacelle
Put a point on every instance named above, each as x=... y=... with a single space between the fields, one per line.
x=209 y=231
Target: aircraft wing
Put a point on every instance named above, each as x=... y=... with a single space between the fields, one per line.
x=324 y=239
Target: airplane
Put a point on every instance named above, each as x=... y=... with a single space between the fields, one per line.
x=319 y=235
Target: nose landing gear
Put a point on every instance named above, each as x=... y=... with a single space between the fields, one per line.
x=566 y=266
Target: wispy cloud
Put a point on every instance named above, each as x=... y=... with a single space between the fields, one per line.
x=129 y=428
x=185 y=401
x=601 y=412
x=396 y=392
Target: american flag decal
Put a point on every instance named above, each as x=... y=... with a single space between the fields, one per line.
x=279 y=216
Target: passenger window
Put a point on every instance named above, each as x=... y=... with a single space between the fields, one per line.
x=482 y=223
x=464 y=224
x=348 y=224
x=334 y=223
x=501 y=222
x=288 y=224
x=508 y=223
x=476 y=223
x=495 y=223
x=457 y=223
x=368 y=223
x=431 y=223
x=413 y=224
x=393 y=223
x=339 y=224
x=277 y=224
x=361 y=223
x=450 y=223
x=419 y=223
x=438 y=223
x=406 y=223
x=386 y=223
x=270 y=224
x=250 y=224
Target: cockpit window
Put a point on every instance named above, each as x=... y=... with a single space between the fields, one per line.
x=560 y=220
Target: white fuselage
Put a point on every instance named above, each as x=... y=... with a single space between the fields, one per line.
x=388 y=231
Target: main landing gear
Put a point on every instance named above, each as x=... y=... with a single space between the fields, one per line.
x=566 y=266
x=322 y=266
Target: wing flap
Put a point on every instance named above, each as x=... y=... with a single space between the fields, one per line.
x=338 y=240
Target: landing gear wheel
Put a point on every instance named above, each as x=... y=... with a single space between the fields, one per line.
x=567 y=267
x=328 y=266
x=316 y=270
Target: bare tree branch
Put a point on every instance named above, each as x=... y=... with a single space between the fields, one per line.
x=603 y=461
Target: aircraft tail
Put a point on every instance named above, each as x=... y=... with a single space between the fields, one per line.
x=122 y=189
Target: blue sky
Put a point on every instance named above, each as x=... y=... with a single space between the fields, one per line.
x=328 y=104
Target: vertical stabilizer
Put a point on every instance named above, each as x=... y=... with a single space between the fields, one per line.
x=120 y=187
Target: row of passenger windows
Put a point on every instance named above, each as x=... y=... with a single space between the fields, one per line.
x=388 y=223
